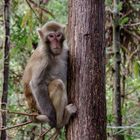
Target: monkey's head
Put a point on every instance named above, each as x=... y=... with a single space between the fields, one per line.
x=52 y=36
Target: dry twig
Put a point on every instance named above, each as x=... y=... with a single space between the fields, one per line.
x=32 y=9
x=18 y=125
x=21 y=113
x=36 y=5
x=132 y=24
x=47 y=131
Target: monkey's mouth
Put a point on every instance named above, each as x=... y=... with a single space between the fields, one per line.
x=56 y=48
x=56 y=51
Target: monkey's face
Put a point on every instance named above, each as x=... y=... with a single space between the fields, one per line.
x=55 y=41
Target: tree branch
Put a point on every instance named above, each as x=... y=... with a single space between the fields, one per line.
x=131 y=56
x=133 y=24
x=44 y=133
x=18 y=125
x=21 y=113
x=36 y=5
x=32 y=9
x=131 y=33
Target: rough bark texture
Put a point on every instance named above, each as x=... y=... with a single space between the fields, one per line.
x=117 y=62
x=6 y=66
x=87 y=69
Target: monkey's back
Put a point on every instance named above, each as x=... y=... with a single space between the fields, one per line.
x=27 y=76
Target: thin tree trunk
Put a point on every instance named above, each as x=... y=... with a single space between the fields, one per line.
x=123 y=80
x=87 y=70
x=6 y=65
x=117 y=62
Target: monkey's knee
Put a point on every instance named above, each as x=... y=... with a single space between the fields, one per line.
x=56 y=84
x=31 y=84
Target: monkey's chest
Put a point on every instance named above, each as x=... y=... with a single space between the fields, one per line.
x=58 y=71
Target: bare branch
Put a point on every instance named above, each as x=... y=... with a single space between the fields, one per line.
x=18 y=125
x=21 y=113
x=133 y=24
x=44 y=133
x=131 y=33
x=47 y=131
x=131 y=56
x=32 y=9
x=36 y=5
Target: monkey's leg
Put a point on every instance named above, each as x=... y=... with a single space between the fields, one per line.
x=44 y=104
x=40 y=92
x=58 y=95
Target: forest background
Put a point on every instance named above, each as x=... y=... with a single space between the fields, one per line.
x=24 y=22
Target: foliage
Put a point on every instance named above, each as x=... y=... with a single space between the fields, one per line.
x=130 y=68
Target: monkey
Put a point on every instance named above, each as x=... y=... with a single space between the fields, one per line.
x=45 y=77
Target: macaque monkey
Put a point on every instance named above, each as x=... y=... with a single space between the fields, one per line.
x=45 y=77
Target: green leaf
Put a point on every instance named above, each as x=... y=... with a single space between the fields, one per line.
x=108 y=2
x=29 y=41
x=129 y=137
x=123 y=21
x=25 y=19
x=119 y=6
x=136 y=69
x=30 y=21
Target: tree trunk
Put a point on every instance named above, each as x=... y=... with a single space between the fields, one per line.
x=117 y=62
x=86 y=84
x=6 y=66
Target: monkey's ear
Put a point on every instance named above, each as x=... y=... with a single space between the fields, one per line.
x=65 y=30
x=40 y=33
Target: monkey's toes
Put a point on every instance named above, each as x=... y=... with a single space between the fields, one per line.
x=42 y=118
x=72 y=108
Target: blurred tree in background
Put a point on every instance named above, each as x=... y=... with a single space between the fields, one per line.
x=23 y=24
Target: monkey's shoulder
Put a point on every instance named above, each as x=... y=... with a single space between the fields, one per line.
x=37 y=59
x=38 y=55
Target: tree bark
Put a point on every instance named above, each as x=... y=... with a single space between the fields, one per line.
x=6 y=66
x=86 y=84
x=117 y=62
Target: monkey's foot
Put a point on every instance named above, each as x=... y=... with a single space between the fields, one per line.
x=71 y=108
x=42 y=118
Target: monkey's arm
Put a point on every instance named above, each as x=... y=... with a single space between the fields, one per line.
x=40 y=91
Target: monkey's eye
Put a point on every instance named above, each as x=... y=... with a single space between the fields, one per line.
x=58 y=35
x=51 y=36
